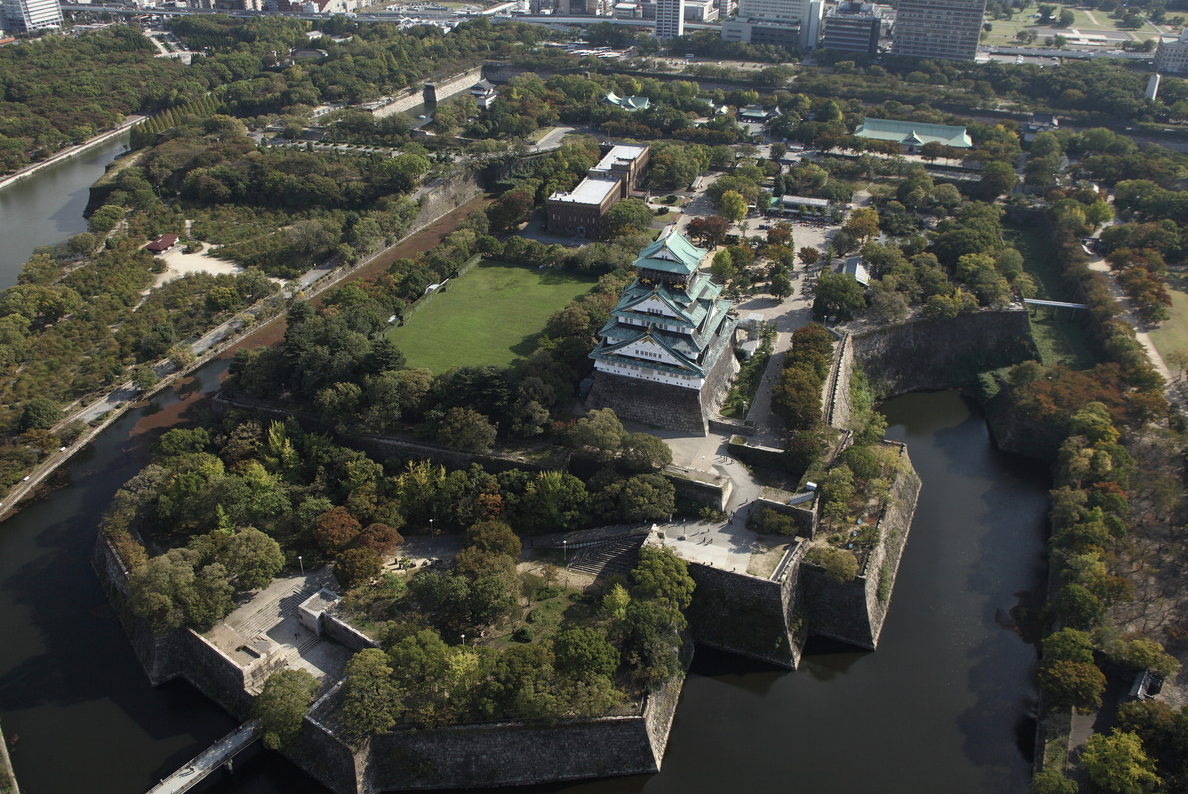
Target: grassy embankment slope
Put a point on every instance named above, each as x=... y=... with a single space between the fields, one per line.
x=1060 y=335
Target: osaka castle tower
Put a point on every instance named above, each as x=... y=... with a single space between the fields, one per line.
x=665 y=357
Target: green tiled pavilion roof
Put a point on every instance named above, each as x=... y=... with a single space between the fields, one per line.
x=671 y=254
x=913 y=133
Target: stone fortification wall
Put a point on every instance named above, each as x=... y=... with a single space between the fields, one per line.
x=803 y=515
x=699 y=486
x=749 y=615
x=345 y=634
x=852 y=611
x=178 y=654
x=441 y=90
x=657 y=404
x=323 y=755
x=928 y=353
x=445 y=195
x=399 y=104
x=664 y=405
x=839 y=407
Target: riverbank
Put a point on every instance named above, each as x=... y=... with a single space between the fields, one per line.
x=227 y=338
x=71 y=151
x=8 y=781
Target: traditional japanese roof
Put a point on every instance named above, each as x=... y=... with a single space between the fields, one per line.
x=913 y=133
x=627 y=102
x=672 y=253
x=162 y=243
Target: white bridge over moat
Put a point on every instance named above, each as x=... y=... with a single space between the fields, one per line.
x=220 y=753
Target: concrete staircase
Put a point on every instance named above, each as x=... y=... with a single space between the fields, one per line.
x=604 y=559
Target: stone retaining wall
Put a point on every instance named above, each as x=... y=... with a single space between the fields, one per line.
x=697 y=487
x=852 y=612
x=933 y=353
x=439 y=91
x=345 y=634
x=804 y=516
x=749 y=615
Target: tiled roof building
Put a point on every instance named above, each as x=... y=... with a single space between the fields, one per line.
x=665 y=356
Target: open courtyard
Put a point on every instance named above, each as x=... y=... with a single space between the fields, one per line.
x=491 y=315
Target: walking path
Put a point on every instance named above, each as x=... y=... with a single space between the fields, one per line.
x=219 y=753
x=1099 y=264
x=7 y=774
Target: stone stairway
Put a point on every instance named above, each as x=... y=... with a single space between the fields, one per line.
x=614 y=556
x=275 y=611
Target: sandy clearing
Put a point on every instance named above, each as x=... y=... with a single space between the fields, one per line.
x=178 y=264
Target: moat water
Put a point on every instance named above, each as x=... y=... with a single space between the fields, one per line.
x=945 y=704
x=47 y=208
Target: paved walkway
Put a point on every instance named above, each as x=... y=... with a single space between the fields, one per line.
x=212 y=758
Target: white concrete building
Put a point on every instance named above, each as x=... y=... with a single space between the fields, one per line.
x=27 y=15
x=1171 y=57
x=670 y=19
x=938 y=28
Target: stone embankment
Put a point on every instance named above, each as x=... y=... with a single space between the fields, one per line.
x=8 y=781
x=66 y=154
x=926 y=354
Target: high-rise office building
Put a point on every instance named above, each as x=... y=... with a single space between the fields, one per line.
x=938 y=28
x=670 y=19
x=851 y=27
x=773 y=9
x=28 y=15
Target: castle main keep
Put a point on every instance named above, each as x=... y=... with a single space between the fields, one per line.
x=665 y=356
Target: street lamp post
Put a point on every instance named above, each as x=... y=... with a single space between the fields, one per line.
x=302 y=564
x=565 y=551
x=463 y=640
x=431 y=527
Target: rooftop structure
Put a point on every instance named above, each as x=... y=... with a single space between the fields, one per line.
x=852 y=27
x=665 y=356
x=1172 y=54
x=670 y=18
x=484 y=93
x=580 y=211
x=627 y=102
x=757 y=30
x=913 y=134
x=30 y=15
x=938 y=28
x=162 y=243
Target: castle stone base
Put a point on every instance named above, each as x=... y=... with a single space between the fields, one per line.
x=664 y=405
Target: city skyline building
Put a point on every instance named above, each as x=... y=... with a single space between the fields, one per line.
x=670 y=19
x=948 y=29
x=25 y=16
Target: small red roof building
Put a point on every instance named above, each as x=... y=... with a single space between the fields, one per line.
x=162 y=243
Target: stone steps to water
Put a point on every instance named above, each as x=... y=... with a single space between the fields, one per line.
x=605 y=559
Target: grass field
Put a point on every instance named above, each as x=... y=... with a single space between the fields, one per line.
x=1060 y=336
x=1172 y=334
x=1003 y=30
x=492 y=315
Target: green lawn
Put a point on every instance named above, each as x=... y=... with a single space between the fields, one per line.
x=1060 y=336
x=492 y=315
x=1172 y=333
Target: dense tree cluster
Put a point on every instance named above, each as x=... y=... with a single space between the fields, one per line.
x=589 y=662
x=796 y=396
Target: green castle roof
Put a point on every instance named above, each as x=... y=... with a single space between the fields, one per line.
x=913 y=133
x=672 y=253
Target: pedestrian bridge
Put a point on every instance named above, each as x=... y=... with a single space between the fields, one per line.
x=1055 y=304
x=221 y=752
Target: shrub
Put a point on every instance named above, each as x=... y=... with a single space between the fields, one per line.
x=840 y=564
x=524 y=634
x=771 y=522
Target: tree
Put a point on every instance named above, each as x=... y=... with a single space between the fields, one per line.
x=357 y=566
x=584 y=654
x=144 y=377
x=493 y=537
x=625 y=217
x=1069 y=645
x=464 y=428
x=371 y=700
x=615 y=602
x=1117 y=764
x=808 y=255
x=840 y=564
x=997 y=178
x=733 y=206
x=863 y=223
x=710 y=232
x=662 y=576
x=1050 y=780
x=335 y=529
x=644 y=452
x=253 y=558
x=781 y=285
x=281 y=705
x=1071 y=684
x=837 y=294
x=1066 y=18
x=40 y=413
x=599 y=431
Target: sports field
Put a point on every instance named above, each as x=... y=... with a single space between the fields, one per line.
x=491 y=315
